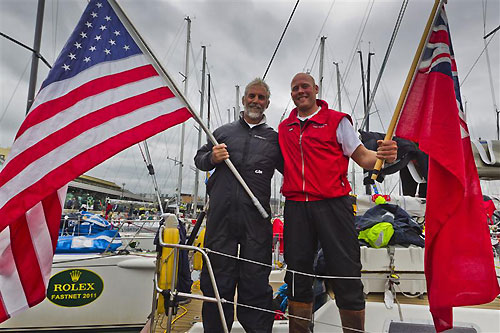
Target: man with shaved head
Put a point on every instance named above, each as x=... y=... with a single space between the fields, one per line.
x=316 y=143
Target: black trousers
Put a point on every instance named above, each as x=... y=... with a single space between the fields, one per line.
x=331 y=222
x=226 y=232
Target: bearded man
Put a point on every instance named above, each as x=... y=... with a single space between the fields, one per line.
x=234 y=226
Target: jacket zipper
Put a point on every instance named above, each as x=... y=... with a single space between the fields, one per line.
x=303 y=167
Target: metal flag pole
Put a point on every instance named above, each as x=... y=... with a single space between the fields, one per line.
x=409 y=80
x=164 y=74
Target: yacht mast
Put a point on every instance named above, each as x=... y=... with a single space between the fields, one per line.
x=237 y=105
x=338 y=86
x=367 y=186
x=368 y=71
x=197 y=177
x=321 y=60
x=183 y=126
x=34 y=56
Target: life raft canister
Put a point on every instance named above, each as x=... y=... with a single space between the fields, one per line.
x=198 y=258
x=170 y=235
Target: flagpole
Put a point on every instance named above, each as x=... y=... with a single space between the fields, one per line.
x=147 y=51
x=409 y=79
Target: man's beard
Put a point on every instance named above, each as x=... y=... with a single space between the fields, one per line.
x=254 y=112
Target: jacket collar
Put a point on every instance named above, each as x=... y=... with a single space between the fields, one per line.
x=244 y=123
x=321 y=117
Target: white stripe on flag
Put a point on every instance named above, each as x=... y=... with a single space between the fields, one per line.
x=94 y=136
x=11 y=289
x=61 y=88
x=437 y=28
x=440 y=49
x=40 y=238
x=93 y=103
x=40 y=235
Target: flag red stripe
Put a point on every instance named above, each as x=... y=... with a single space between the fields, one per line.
x=85 y=161
x=440 y=36
x=453 y=65
x=26 y=261
x=53 y=209
x=58 y=138
x=94 y=87
x=439 y=56
x=3 y=314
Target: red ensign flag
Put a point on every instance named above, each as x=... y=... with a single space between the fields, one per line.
x=459 y=264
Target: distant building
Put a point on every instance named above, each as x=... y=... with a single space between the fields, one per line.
x=93 y=192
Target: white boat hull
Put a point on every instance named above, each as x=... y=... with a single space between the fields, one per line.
x=125 y=300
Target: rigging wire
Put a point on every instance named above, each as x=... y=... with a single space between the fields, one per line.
x=315 y=57
x=149 y=165
x=386 y=58
x=318 y=36
x=475 y=62
x=15 y=89
x=171 y=48
x=309 y=56
x=388 y=99
x=281 y=38
x=54 y=27
x=212 y=89
x=359 y=35
x=37 y=54
x=492 y=87
x=218 y=113
x=342 y=83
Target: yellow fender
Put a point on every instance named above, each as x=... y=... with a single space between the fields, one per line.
x=198 y=258
x=170 y=235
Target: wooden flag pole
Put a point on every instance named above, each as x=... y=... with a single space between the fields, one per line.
x=409 y=80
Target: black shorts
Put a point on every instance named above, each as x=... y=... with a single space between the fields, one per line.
x=331 y=222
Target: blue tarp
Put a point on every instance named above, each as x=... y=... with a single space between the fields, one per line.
x=95 y=243
x=84 y=223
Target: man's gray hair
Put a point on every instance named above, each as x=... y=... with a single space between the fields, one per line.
x=258 y=82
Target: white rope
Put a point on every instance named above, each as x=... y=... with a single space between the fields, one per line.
x=306 y=274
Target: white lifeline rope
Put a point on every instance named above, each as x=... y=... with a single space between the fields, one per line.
x=293 y=273
x=288 y=316
x=307 y=274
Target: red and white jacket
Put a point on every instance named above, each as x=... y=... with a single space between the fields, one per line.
x=315 y=166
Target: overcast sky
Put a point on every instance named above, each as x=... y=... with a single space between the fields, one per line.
x=241 y=37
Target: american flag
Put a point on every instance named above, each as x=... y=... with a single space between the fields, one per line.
x=459 y=266
x=102 y=95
